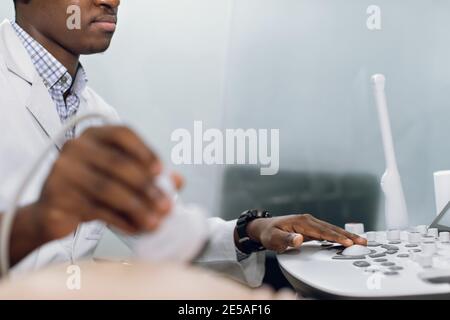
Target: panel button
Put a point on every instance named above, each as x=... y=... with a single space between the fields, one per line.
x=377 y=255
x=391 y=251
x=371 y=236
x=361 y=264
x=403 y=255
x=390 y=247
x=444 y=236
x=391 y=273
x=356 y=228
x=395 y=268
x=414 y=237
x=422 y=229
x=348 y=257
x=404 y=235
x=381 y=260
x=388 y=264
x=373 y=244
x=433 y=232
x=393 y=235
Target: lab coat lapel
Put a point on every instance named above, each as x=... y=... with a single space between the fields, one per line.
x=16 y=57
x=39 y=103
x=43 y=110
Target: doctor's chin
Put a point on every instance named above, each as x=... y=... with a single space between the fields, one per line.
x=220 y=159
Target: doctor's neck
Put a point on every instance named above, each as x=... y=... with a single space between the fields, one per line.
x=67 y=58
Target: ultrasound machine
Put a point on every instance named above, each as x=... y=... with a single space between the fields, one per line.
x=402 y=262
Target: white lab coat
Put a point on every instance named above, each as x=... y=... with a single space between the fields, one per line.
x=28 y=119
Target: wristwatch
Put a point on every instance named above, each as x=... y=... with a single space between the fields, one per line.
x=248 y=246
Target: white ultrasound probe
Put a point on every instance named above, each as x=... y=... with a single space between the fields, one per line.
x=395 y=205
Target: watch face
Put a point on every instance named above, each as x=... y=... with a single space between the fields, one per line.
x=265 y=214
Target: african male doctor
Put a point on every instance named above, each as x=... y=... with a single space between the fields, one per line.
x=102 y=176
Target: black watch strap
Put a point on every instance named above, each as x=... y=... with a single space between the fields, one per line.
x=248 y=246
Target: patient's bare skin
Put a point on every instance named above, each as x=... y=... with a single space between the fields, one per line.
x=133 y=282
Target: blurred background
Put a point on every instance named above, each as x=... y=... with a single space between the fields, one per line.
x=301 y=66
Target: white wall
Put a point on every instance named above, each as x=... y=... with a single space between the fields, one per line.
x=6 y=10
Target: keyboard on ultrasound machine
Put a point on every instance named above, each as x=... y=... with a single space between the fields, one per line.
x=395 y=264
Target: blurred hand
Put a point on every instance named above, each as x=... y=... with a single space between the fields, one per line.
x=106 y=174
x=278 y=234
x=178 y=181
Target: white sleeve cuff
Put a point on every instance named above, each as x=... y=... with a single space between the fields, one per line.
x=221 y=255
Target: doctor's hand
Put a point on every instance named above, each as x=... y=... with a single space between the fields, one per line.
x=106 y=174
x=280 y=233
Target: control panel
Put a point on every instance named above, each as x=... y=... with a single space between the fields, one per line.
x=413 y=263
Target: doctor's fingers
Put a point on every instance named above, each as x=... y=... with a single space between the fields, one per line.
x=110 y=217
x=177 y=180
x=320 y=231
x=117 y=197
x=281 y=240
x=354 y=237
x=80 y=209
x=116 y=164
x=124 y=139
